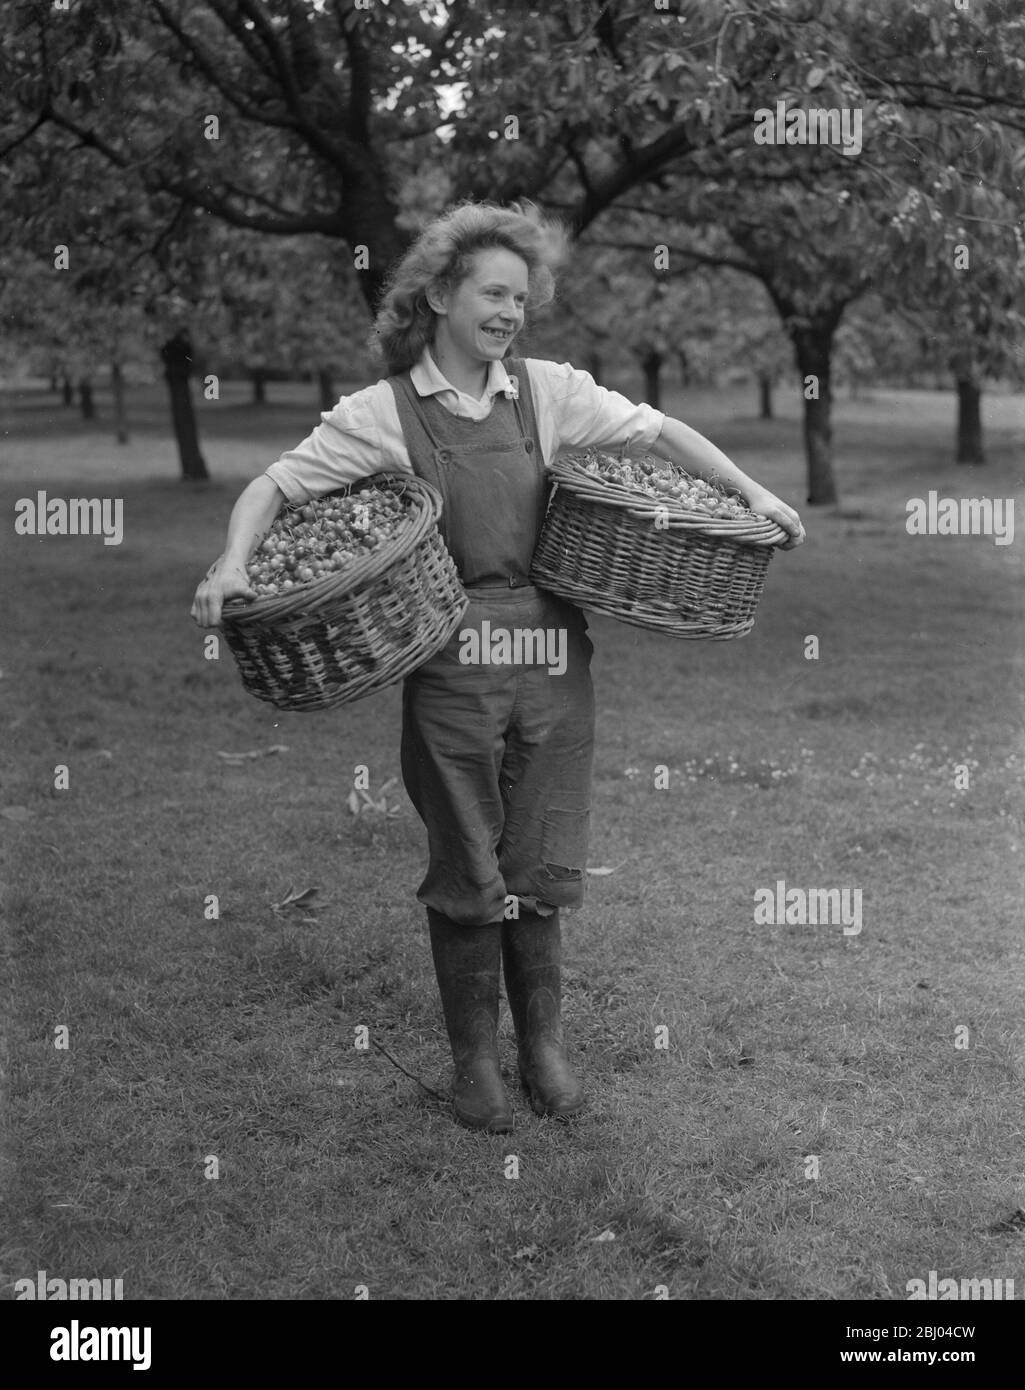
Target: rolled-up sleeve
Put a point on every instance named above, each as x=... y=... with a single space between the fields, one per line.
x=353 y=440
x=582 y=414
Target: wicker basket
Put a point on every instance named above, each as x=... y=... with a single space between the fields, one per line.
x=693 y=576
x=346 y=636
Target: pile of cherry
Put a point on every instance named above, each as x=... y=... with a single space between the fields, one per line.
x=663 y=481
x=323 y=538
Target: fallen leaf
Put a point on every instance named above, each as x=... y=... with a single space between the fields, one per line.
x=16 y=813
x=292 y=898
x=360 y=800
x=253 y=753
x=527 y=1253
x=605 y=1235
x=1014 y=1222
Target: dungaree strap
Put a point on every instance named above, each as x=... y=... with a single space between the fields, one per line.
x=526 y=414
x=410 y=410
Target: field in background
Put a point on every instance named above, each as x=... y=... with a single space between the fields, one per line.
x=191 y=1038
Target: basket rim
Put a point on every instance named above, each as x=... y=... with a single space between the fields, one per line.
x=571 y=476
x=364 y=571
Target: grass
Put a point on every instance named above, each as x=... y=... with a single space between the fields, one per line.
x=235 y=1037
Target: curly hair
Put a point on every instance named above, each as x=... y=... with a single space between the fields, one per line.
x=442 y=257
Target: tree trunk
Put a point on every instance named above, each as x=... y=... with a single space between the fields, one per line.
x=370 y=219
x=813 y=344
x=54 y=384
x=177 y=356
x=651 y=361
x=326 y=388
x=85 y=398
x=68 y=392
x=969 y=421
x=595 y=365
x=764 y=396
x=685 y=374
x=259 y=380
x=117 y=387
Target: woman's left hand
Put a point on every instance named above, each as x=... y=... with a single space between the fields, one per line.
x=767 y=504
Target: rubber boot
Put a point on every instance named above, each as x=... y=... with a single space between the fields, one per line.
x=467 y=962
x=532 y=952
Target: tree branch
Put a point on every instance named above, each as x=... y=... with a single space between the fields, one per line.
x=672 y=145
x=284 y=224
x=361 y=92
x=40 y=120
x=214 y=74
x=719 y=259
x=344 y=155
x=581 y=168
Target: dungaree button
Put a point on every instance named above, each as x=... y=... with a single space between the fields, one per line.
x=443 y=456
x=529 y=446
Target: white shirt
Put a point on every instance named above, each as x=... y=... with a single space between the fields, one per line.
x=362 y=434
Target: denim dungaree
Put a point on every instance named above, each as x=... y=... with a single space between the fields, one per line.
x=496 y=758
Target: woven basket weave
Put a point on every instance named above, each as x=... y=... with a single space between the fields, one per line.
x=691 y=576
x=341 y=638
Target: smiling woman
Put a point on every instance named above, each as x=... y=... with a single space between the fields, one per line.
x=496 y=755
x=479 y=318
x=446 y=254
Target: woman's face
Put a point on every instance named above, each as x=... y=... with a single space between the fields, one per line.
x=479 y=318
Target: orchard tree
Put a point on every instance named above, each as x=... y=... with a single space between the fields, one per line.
x=961 y=278
x=631 y=304
x=96 y=269
x=287 y=305
x=727 y=323
x=807 y=253
x=876 y=346
x=282 y=118
x=949 y=186
x=821 y=224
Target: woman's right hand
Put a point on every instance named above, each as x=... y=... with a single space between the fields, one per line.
x=222 y=582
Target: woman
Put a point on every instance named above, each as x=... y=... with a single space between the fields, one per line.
x=496 y=757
